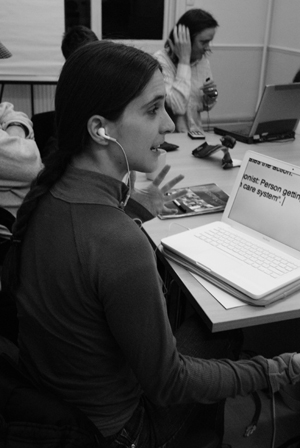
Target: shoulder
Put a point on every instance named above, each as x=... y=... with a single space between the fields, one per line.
x=108 y=241
x=160 y=53
x=168 y=67
x=163 y=57
x=107 y=231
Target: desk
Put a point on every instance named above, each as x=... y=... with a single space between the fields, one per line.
x=27 y=80
x=199 y=171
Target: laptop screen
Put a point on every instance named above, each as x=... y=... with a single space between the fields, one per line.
x=276 y=117
x=268 y=200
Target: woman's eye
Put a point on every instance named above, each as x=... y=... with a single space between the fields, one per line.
x=154 y=110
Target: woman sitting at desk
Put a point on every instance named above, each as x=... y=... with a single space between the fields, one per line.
x=93 y=322
x=187 y=74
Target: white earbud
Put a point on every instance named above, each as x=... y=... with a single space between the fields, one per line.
x=102 y=133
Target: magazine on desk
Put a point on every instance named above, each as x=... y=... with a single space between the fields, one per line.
x=199 y=199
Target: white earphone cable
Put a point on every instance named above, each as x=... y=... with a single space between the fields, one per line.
x=124 y=203
x=103 y=134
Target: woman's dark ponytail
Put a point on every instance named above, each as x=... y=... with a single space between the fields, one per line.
x=53 y=170
x=100 y=78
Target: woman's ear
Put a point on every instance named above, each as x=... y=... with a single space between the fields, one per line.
x=94 y=124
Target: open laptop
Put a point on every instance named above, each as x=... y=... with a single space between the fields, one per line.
x=263 y=211
x=276 y=118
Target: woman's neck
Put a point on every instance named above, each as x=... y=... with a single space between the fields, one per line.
x=98 y=163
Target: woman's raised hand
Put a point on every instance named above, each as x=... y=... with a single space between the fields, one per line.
x=182 y=44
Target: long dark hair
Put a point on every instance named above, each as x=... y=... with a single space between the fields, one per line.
x=196 y=20
x=100 y=78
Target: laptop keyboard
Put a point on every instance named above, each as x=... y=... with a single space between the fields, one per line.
x=248 y=252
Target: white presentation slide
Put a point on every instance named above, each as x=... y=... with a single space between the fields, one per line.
x=272 y=199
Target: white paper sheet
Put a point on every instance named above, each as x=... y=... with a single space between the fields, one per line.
x=225 y=299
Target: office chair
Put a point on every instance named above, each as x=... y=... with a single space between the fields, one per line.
x=7 y=220
x=8 y=311
x=44 y=131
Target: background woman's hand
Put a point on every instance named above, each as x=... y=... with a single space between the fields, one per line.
x=182 y=44
x=210 y=92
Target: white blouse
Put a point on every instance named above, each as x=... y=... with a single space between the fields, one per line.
x=183 y=83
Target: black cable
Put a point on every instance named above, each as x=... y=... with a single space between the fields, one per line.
x=253 y=425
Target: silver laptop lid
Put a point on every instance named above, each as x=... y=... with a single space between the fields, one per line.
x=265 y=202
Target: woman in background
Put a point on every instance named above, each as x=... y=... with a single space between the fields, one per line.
x=186 y=69
x=93 y=324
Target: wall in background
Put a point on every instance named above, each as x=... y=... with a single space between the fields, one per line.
x=284 y=51
x=32 y=30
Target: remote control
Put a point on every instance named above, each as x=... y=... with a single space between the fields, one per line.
x=196 y=135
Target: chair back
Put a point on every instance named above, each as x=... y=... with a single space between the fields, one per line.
x=9 y=325
x=44 y=131
x=6 y=220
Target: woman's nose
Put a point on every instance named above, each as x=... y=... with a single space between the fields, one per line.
x=168 y=124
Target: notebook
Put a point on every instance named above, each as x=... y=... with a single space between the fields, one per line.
x=276 y=118
x=263 y=211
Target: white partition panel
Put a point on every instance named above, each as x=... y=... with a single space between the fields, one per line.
x=32 y=31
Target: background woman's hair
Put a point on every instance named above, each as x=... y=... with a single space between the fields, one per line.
x=100 y=78
x=196 y=20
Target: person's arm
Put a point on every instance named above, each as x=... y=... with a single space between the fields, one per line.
x=177 y=78
x=177 y=82
x=136 y=314
x=20 y=160
x=15 y=123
